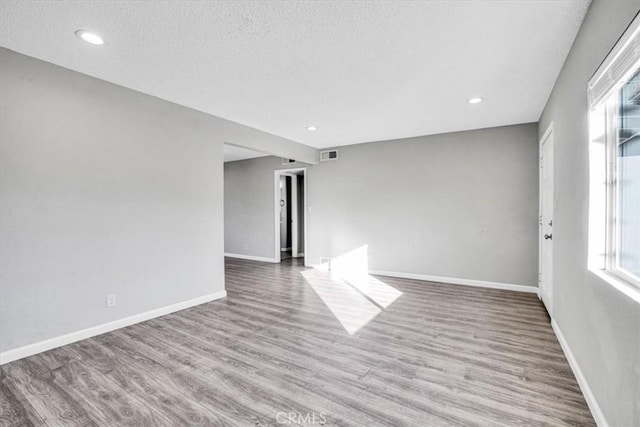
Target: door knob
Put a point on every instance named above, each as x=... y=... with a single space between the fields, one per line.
x=548 y=237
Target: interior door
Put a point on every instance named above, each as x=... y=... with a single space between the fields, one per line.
x=547 y=206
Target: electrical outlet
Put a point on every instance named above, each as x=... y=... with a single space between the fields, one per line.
x=111 y=300
x=326 y=261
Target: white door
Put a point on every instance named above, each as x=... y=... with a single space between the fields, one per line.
x=547 y=205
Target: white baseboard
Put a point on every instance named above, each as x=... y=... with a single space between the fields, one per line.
x=457 y=281
x=251 y=257
x=285 y=249
x=596 y=412
x=39 y=347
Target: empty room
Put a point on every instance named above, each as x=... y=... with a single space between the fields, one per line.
x=339 y=213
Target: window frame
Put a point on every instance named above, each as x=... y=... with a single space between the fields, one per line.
x=604 y=228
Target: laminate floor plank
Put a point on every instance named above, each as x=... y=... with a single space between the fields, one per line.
x=356 y=351
x=140 y=379
x=51 y=404
x=14 y=412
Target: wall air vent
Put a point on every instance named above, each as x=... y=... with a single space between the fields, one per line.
x=287 y=161
x=328 y=155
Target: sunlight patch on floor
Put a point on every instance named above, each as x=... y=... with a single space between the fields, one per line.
x=353 y=296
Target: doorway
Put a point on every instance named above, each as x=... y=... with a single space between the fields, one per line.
x=290 y=213
x=547 y=208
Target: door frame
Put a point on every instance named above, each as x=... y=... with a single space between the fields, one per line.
x=282 y=178
x=547 y=137
x=276 y=194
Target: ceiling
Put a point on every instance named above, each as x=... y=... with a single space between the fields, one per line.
x=359 y=71
x=233 y=153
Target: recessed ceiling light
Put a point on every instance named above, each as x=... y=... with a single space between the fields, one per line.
x=90 y=37
x=311 y=128
x=476 y=100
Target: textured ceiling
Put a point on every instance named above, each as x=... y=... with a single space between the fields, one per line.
x=233 y=153
x=359 y=71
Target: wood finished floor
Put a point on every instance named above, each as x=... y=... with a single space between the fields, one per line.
x=386 y=352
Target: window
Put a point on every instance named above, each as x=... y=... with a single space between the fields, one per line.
x=614 y=204
x=628 y=179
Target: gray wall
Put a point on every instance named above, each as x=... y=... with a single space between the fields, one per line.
x=460 y=205
x=103 y=190
x=249 y=227
x=600 y=324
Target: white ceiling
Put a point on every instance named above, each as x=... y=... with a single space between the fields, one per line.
x=233 y=153
x=359 y=71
